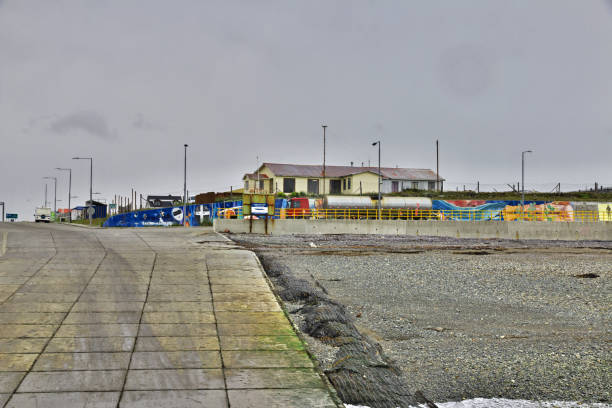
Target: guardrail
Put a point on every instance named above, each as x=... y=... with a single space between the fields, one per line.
x=419 y=214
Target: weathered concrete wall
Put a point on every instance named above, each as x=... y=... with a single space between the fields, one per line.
x=457 y=229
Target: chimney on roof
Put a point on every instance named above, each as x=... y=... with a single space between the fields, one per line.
x=351 y=164
x=361 y=164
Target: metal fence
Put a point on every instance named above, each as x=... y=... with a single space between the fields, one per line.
x=419 y=214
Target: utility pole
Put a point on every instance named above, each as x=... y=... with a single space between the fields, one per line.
x=257 y=185
x=89 y=212
x=437 y=168
x=324 y=128
x=185 y=189
x=45 y=195
x=2 y=204
x=69 y=190
x=55 y=192
x=379 y=177
x=523 y=179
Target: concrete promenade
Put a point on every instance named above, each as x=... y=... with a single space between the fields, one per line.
x=143 y=318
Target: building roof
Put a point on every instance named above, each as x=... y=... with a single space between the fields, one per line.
x=254 y=176
x=164 y=197
x=94 y=203
x=305 y=170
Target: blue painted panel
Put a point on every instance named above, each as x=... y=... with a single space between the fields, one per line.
x=196 y=214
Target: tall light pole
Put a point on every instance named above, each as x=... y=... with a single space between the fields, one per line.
x=2 y=204
x=54 y=193
x=185 y=188
x=437 y=168
x=89 y=212
x=324 y=128
x=523 y=179
x=379 y=175
x=69 y=190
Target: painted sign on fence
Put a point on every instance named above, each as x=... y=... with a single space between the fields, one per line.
x=605 y=211
x=161 y=217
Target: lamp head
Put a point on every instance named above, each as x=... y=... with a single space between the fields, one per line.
x=375 y=143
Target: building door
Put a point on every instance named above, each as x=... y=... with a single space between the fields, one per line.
x=335 y=186
x=395 y=186
x=313 y=186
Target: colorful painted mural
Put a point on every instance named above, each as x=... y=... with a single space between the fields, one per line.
x=449 y=210
x=458 y=210
x=161 y=217
x=511 y=210
x=555 y=211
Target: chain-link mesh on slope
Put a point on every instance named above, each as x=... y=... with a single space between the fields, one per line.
x=361 y=373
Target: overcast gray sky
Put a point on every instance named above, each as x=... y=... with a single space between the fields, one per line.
x=129 y=82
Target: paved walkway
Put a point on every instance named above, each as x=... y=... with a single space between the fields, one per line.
x=143 y=318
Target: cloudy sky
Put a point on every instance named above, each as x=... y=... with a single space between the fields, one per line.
x=129 y=82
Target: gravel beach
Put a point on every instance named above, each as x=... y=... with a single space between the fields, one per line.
x=466 y=318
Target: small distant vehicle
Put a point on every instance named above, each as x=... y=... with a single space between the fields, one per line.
x=42 y=214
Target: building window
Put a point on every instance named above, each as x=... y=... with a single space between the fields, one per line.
x=395 y=186
x=344 y=184
x=261 y=185
x=288 y=185
x=431 y=185
x=335 y=186
x=348 y=183
x=415 y=185
x=246 y=185
x=313 y=186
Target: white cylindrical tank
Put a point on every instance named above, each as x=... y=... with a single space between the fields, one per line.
x=348 y=202
x=423 y=203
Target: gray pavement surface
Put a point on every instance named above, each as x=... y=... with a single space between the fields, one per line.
x=143 y=317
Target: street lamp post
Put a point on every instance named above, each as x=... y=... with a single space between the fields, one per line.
x=90 y=184
x=69 y=190
x=2 y=204
x=379 y=176
x=54 y=192
x=523 y=179
x=324 y=128
x=185 y=188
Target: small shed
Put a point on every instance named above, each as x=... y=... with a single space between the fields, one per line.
x=100 y=209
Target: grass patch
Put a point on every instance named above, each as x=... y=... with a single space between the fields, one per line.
x=96 y=222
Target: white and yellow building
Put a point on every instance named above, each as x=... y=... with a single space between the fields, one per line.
x=290 y=178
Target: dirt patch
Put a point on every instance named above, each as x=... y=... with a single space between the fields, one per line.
x=587 y=275
x=472 y=252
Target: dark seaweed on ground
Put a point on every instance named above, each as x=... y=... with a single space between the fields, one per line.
x=361 y=373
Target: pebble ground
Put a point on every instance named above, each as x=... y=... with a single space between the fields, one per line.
x=470 y=318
